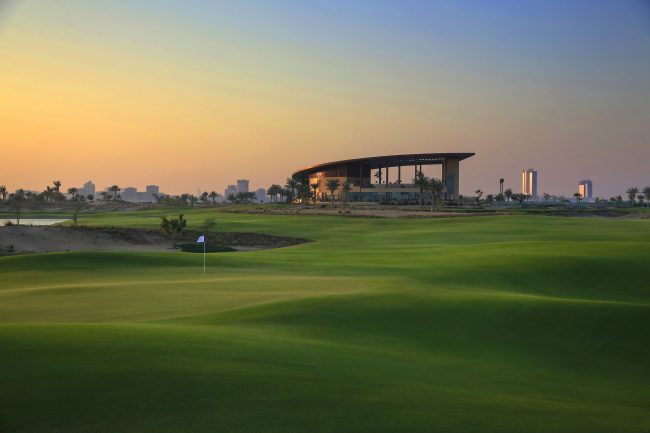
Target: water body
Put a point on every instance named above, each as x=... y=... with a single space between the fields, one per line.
x=33 y=221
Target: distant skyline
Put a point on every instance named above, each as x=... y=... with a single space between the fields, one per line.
x=187 y=94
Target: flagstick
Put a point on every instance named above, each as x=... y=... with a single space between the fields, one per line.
x=204 y=256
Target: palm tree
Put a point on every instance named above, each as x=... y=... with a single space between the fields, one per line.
x=303 y=192
x=18 y=197
x=346 y=187
x=213 y=196
x=274 y=190
x=520 y=198
x=47 y=193
x=578 y=197
x=508 y=194
x=204 y=197
x=631 y=194
x=3 y=192
x=314 y=187
x=104 y=195
x=271 y=192
x=78 y=200
x=422 y=183
x=477 y=198
x=292 y=185
x=378 y=175
x=646 y=192
x=332 y=185
x=282 y=192
x=57 y=185
x=437 y=186
x=115 y=189
x=73 y=192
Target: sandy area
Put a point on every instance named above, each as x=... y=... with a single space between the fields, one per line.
x=369 y=212
x=45 y=239
x=374 y=212
x=33 y=221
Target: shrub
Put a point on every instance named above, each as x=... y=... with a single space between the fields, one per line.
x=173 y=226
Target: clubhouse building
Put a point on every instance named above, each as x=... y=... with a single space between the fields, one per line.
x=399 y=187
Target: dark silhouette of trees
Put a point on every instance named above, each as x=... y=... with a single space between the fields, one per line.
x=421 y=182
x=508 y=194
x=274 y=190
x=173 y=226
x=436 y=186
x=115 y=189
x=646 y=193
x=631 y=194
x=346 y=188
x=17 y=200
x=332 y=185
x=291 y=185
x=314 y=187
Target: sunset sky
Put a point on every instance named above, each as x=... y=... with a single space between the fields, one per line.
x=189 y=94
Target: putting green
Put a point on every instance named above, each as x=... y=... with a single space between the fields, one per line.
x=490 y=324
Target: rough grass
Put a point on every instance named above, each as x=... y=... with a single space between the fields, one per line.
x=494 y=324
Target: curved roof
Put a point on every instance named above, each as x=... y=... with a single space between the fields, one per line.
x=385 y=161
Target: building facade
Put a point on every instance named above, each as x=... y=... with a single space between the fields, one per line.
x=230 y=190
x=585 y=188
x=361 y=171
x=242 y=185
x=260 y=195
x=529 y=182
x=152 y=189
x=130 y=194
x=87 y=189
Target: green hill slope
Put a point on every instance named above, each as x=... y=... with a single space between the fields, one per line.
x=502 y=324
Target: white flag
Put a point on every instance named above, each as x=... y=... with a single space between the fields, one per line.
x=200 y=240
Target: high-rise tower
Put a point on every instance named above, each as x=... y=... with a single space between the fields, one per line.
x=529 y=182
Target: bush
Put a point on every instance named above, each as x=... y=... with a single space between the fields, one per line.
x=173 y=226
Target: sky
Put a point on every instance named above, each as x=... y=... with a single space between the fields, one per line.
x=195 y=94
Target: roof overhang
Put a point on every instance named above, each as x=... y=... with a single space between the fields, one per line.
x=375 y=162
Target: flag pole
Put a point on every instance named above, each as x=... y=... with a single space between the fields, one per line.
x=204 y=240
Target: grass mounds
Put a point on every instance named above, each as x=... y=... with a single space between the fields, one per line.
x=504 y=324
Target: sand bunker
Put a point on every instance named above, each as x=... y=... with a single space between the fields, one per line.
x=44 y=239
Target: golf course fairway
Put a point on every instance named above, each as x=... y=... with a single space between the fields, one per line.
x=474 y=324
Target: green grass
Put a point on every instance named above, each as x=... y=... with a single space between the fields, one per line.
x=489 y=324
